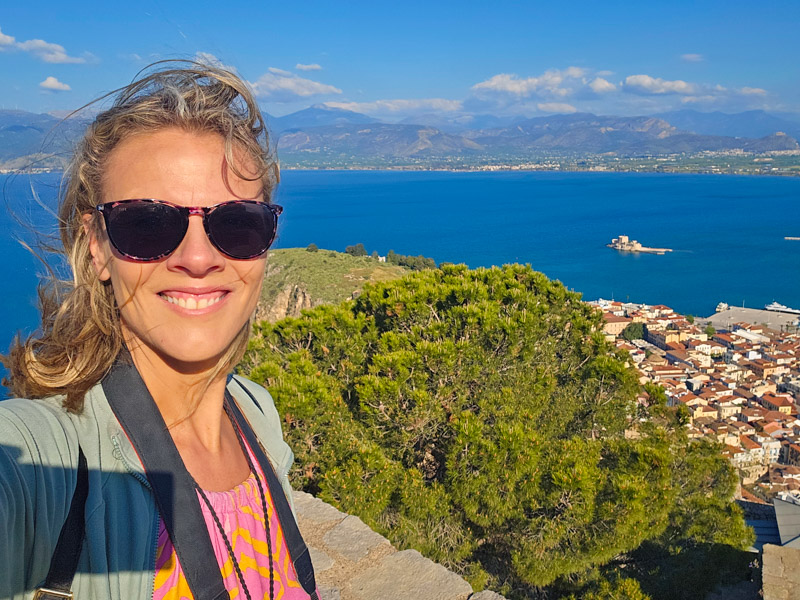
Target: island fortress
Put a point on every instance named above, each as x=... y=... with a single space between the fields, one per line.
x=624 y=244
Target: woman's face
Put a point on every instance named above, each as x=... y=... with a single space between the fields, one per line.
x=184 y=310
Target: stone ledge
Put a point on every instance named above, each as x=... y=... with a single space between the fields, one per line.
x=352 y=562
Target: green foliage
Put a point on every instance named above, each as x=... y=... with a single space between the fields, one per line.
x=478 y=416
x=312 y=247
x=690 y=318
x=634 y=331
x=415 y=263
x=709 y=330
x=357 y=250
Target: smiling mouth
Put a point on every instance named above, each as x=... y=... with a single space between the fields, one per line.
x=193 y=301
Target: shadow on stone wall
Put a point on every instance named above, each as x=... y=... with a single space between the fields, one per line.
x=352 y=562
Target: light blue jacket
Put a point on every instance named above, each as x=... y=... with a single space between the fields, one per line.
x=38 y=471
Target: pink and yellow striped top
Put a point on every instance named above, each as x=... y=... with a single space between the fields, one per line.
x=242 y=517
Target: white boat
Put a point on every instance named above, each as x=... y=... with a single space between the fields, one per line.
x=775 y=307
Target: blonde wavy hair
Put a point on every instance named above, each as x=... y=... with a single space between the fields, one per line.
x=80 y=336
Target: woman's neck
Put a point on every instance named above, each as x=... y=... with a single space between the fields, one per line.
x=188 y=396
x=191 y=402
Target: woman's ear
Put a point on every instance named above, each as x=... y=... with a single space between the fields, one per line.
x=101 y=256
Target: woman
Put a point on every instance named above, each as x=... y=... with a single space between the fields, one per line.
x=165 y=221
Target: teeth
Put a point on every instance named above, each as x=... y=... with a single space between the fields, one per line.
x=192 y=303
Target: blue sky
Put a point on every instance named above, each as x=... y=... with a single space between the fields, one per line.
x=398 y=59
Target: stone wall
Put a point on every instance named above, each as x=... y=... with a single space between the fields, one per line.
x=352 y=562
x=781 y=573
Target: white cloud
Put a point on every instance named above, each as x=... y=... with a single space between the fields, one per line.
x=6 y=40
x=45 y=51
x=311 y=67
x=48 y=52
x=211 y=60
x=397 y=106
x=706 y=99
x=556 y=107
x=692 y=57
x=281 y=72
x=600 y=85
x=54 y=85
x=753 y=91
x=550 y=83
x=644 y=84
x=278 y=85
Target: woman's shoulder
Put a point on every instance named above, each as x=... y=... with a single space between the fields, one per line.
x=257 y=405
x=33 y=414
x=248 y=392
x=37 y=430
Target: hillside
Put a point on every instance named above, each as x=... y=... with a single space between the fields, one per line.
x=36 y=140
x=298 y=279
x=322 y=136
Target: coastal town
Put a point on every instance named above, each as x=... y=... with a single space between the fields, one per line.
x=733 y=378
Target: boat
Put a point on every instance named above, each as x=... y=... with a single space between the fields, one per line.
x=776 y=307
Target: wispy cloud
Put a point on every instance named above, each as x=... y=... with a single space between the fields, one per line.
x=400 y=106
x=211 y=60
x=692 y=57
x=44 y=51
x=54 y=85
x=6 y=40
x=752 y=91
x=706 y=99
x=277 y=85
x=645 y=84
x=556 y=107
x=311 y=67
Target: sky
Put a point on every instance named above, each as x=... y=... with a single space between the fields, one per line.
x=396 y=60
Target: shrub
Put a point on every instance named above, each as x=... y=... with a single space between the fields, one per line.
x=478 y=416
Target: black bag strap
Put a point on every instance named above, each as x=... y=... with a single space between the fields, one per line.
x=173 y=487
x=64 y=563
x=298 y=551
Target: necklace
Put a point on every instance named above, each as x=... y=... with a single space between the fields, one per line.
x=239 y=574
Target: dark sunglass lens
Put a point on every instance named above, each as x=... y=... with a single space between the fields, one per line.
x=145 y=230
x=242 y=229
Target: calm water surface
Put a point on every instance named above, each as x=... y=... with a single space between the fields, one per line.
x=727 y=232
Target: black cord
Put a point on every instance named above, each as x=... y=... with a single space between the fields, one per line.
x=263 y=501
x=227 y=543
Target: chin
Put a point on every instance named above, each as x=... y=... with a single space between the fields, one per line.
x=185 y=353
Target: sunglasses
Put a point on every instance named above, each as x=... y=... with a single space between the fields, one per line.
x=145 y=230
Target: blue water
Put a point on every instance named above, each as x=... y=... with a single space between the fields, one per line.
x=727 y=232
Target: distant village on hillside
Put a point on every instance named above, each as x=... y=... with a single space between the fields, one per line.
x=739 y=382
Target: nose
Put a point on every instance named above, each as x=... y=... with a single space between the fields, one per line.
x=196 y=255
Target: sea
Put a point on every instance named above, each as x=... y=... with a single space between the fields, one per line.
x=726 y=232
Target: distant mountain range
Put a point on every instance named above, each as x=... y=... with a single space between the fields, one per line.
x=336 y=136
x=751 y=124
x=353 y=137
